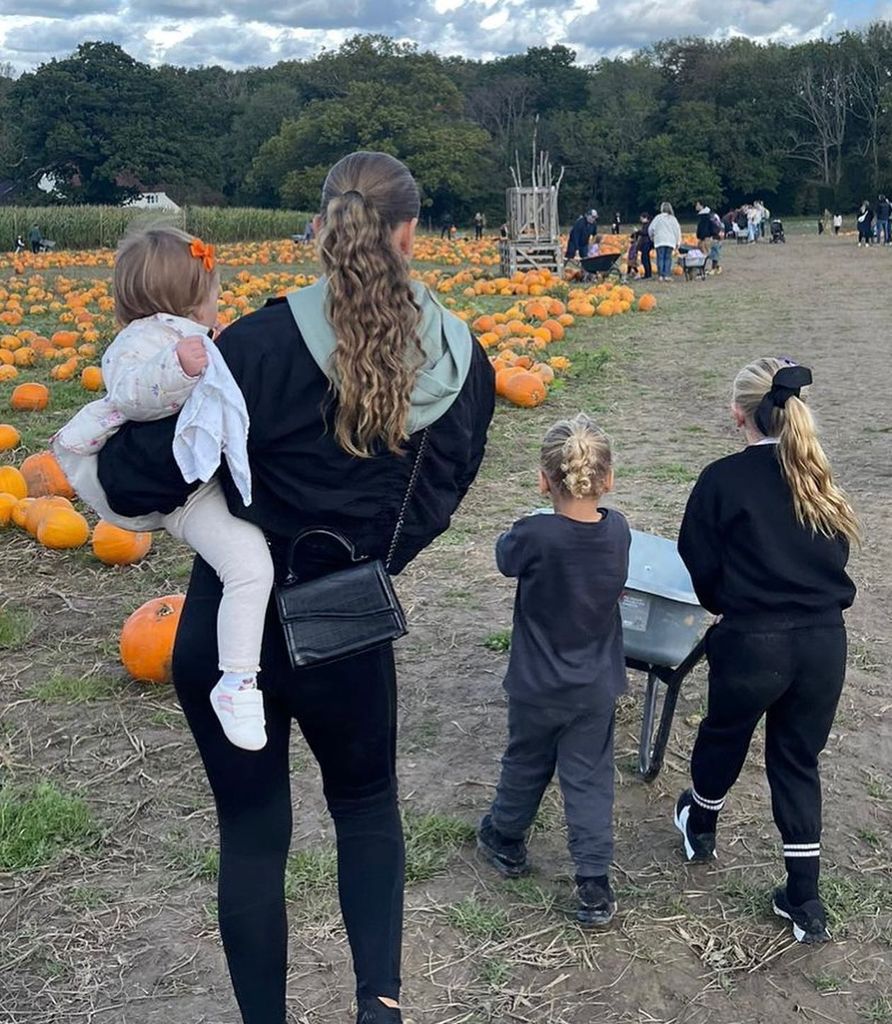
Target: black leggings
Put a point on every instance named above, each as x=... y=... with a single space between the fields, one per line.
x=347 y=714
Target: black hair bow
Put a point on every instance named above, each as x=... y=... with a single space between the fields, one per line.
x=786 y=384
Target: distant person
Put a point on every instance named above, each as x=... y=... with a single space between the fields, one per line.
x=503 y=232
x=446 y=225
x=309 y=234
x=594 y=246
x=705 y=227
x=820 y=226
x=617 y=223
x=19 y=244
x=865 y=224
x=884 y=212
x=645 y=245
x=580 y=233
x=35 y=238
x=837 y=223
x=765 y=216
x=479 y=224
x=567 y=667
x=632 y=254
x=665 y=232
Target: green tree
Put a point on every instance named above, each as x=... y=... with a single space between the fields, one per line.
x=404 y=105
x=95 y=118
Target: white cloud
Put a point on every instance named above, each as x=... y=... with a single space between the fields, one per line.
x=238 y=33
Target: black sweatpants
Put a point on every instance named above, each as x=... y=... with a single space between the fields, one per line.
x=347 y=714
x=794 y=678
x=580 y=745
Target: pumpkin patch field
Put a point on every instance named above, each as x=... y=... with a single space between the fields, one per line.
x=107 y=832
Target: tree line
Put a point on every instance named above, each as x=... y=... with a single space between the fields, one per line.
x=802 y=127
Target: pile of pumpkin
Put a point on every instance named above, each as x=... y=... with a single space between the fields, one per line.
x=37 y=498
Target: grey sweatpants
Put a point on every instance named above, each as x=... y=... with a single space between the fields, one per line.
x=580 y=745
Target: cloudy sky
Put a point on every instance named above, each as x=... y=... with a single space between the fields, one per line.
x=239 y=33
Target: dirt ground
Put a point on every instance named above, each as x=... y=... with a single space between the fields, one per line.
x=121 y=927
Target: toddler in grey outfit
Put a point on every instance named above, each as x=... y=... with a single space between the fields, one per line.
x=567 y=665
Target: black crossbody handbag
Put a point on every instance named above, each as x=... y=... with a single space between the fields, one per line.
x=348 y=611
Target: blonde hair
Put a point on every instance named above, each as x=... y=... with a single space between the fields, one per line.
x=371 y=305
x=576 y=457
x=156 y=273
x=818 y=502
x=667 y=208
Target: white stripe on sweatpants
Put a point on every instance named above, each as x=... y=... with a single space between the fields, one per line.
x=802 y=849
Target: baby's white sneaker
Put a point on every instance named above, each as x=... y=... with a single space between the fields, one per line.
x=238 y=704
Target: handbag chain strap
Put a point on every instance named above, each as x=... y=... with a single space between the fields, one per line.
x=410 y=490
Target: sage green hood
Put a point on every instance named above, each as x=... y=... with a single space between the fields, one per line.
x=444 y=337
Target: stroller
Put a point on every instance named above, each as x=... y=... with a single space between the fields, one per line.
x=777 y=231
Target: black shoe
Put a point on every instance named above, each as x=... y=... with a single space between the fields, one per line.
x=507 y=856
x=698 y=848
x=373 y=1011
x=809 y=919
x=597 y=903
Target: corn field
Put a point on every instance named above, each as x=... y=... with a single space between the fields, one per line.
x=92 y=227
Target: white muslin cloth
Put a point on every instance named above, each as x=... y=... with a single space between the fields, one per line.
x=213 y=423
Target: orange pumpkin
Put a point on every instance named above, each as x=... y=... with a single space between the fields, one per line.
x=62 y=528
x=91 y=378
x=12 y=482
x=525 y=389
x=148 y=637
x=8 y=373
x=554 y=328
x=503 y=376
x=44 y=476
x=647 y=302
x=20 y=510
x=30 y=397
x=9 y=437
x=38 y=509
x=7 y=503
x=115 y=546
x=544 y=372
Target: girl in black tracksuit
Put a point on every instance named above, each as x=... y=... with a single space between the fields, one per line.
x=766 y=538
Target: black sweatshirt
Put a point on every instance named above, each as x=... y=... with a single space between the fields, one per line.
x=567 y=644
x=301 y=477
x=750 y=559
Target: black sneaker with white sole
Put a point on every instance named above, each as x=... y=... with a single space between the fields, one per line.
x=373 y=1011
x=809 y=919
x=699 y=848
x=597 y=903
x=507 y=856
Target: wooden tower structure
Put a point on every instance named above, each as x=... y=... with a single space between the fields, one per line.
x=533 y=241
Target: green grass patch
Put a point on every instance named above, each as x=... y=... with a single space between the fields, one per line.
x=495 y=972
x=853 y=898
x=826 y=983
x=878 y=1011
x=65 y=689
x=499 y=642
x=673 y=473
x=15 y=628
x=478 y=920
x=431 y=840
x=38 y=824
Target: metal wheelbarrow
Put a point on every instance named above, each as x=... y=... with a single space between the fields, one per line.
x=663 y=627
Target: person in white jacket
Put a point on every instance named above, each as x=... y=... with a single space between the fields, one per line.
x=665 y=231
x=163 y=362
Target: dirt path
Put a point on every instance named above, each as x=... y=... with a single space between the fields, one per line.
x=124 y=930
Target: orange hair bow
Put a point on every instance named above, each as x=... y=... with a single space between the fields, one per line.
x=205 y=253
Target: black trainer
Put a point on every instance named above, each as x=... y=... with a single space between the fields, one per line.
x=699 y=848
x=373 y=1011
x=809 y=920
x=507 y=856
x=597 y=903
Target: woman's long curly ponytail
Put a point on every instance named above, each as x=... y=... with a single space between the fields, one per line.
x=371 y=304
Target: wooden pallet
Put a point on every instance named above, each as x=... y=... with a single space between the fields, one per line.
x=522 y=256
